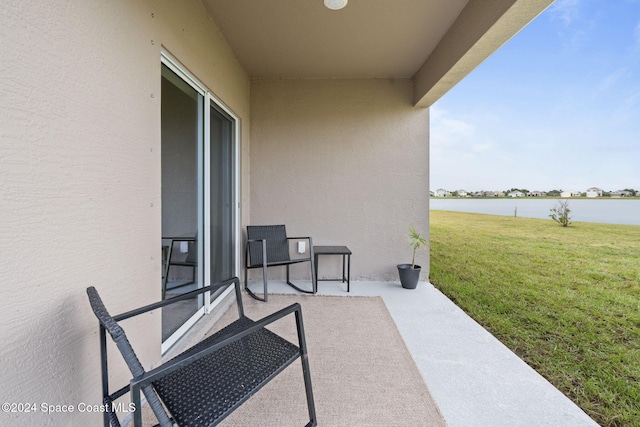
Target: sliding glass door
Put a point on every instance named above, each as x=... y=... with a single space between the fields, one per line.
x=221 y=191
x=198 y=196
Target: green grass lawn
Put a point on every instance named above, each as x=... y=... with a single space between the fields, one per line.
x=565 y=299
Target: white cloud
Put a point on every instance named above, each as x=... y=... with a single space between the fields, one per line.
x=583 y=133
x=576 y=25
x=478 y=148
x=565 y=10
x=447 y=131
x=612 y=78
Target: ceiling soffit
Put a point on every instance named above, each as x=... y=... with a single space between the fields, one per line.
x=435 y=42
x=304 y=39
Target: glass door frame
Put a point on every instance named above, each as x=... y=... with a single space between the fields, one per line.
x=204 y=202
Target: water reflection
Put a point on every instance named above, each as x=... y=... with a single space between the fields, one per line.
x=610 y=211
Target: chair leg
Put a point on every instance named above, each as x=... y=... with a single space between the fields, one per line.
x=264 y=280
x=314 y=278
x=265 y=276
x=313 y=288
x=165 y=279
x=254 y=296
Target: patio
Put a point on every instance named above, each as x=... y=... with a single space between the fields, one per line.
x=474 y=379
x=88 y=168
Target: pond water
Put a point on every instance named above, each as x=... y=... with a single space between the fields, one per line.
x=611 y=211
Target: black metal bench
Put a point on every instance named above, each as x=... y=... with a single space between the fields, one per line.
x=206 y=383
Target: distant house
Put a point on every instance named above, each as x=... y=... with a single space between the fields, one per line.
x=498 y=194
x=621 y=193
x=594 y=192
x=570 y=193
x=441 y=192
x=536 y=194
x=516 y=194
x=462 y=193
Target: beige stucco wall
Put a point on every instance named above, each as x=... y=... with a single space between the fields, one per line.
x=345 y=161
x=80 y=181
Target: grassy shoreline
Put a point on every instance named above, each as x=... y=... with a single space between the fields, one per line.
x=534 y=198
x=566 y=300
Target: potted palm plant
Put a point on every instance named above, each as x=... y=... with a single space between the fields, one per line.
x=410 y=273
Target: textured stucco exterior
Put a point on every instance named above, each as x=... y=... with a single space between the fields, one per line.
x=80 y=182
x=345 y=161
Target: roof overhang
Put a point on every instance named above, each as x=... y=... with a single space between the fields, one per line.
x=434 y=42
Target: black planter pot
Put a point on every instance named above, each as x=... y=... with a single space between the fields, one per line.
x=409 y=277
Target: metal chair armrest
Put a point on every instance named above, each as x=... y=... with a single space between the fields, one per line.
x=150 y=307
x=264 y=251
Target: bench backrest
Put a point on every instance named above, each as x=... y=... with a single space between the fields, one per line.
x=123 y=344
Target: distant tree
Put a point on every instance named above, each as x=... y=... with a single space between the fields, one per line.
x=523 y=190
x=560 y=214
x=454 y=194
x=554 y=193
x=633 y=192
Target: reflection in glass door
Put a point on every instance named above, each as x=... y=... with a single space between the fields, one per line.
x=182 y=123
x=221 y=194
x=199 y=196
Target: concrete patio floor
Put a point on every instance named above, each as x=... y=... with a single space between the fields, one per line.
x=474 y=378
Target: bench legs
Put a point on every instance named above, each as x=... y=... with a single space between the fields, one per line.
x=304 y=358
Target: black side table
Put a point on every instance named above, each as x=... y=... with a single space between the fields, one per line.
x=335 y=250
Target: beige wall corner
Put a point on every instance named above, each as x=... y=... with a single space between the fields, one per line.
x=345 y=161
x=480 y=29
x=80 y=182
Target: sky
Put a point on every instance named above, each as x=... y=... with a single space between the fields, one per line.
x=557 y=107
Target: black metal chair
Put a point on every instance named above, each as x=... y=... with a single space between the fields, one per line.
x=272 y=242
x=203 y=385
x=191 y=260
